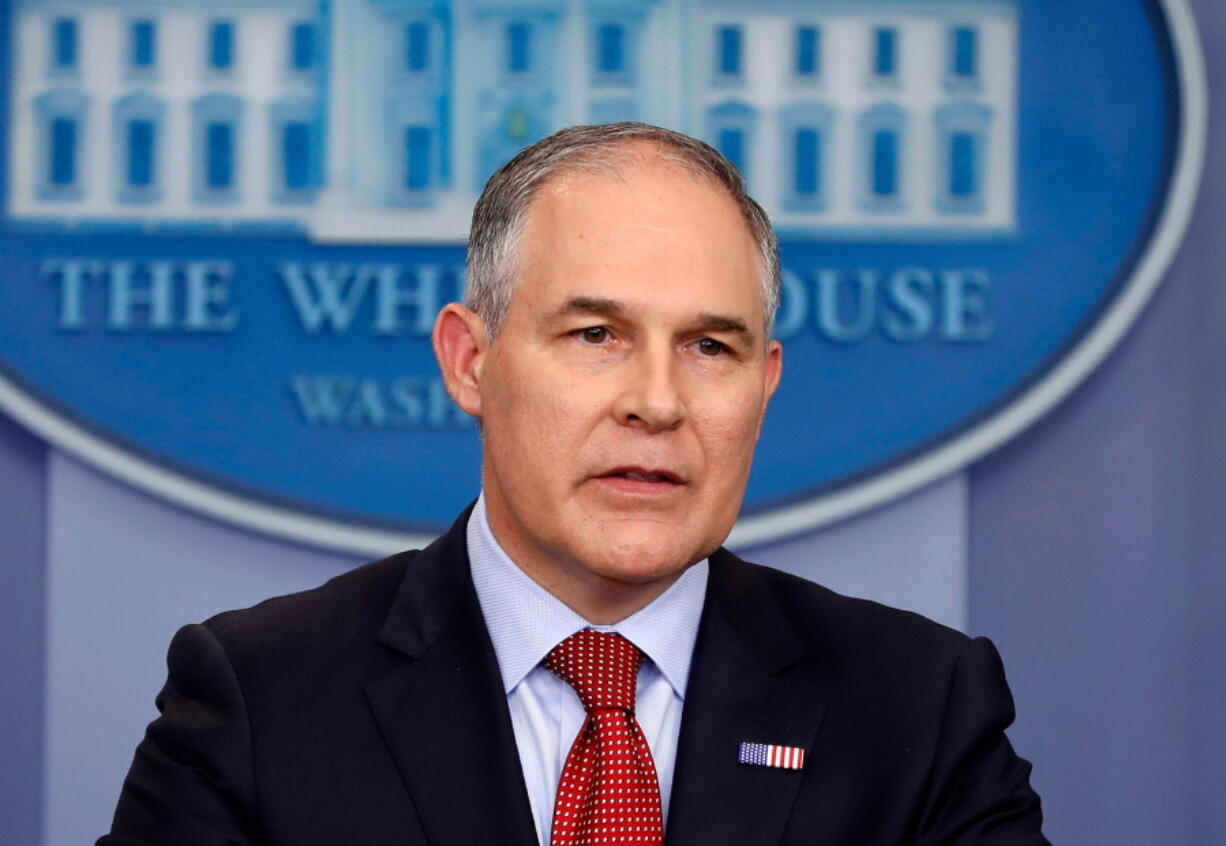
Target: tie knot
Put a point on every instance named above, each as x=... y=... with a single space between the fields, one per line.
x=602 y=667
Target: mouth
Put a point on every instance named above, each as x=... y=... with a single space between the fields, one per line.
x=644 y=474
x=642 y=480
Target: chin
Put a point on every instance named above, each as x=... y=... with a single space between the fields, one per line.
x=645 y=552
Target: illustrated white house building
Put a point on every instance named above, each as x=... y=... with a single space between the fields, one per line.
x=379 y=120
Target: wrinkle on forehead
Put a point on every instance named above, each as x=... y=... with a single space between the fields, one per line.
x=648 y=228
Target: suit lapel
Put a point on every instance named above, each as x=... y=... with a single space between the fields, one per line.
x=740 y=689
x=443 y=712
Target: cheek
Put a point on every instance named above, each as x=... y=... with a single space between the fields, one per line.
x=728 y=430
x=540 y=412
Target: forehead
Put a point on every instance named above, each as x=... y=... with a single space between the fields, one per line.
x=645 y=230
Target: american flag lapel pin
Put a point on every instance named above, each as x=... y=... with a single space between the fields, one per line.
x=771 y=755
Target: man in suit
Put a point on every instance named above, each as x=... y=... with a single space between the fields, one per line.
x=616 y=349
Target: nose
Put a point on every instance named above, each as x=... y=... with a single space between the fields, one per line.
x=651 y=397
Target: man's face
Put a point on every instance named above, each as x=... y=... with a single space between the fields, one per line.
x=623 y=397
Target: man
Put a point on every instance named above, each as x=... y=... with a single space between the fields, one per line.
x=617 y=352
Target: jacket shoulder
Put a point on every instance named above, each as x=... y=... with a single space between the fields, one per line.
x=346 y=609
x=832 y=624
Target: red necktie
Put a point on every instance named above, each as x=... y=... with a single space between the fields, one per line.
x=609 y=792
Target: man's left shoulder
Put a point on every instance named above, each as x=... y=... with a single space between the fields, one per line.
x=844 y=632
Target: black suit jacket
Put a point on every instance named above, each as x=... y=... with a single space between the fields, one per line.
x=371 y=711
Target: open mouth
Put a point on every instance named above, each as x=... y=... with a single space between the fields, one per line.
x=642 y=476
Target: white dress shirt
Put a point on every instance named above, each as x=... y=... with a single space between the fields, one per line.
x=525 y=622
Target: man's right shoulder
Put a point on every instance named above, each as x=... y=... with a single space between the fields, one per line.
x=350 y=606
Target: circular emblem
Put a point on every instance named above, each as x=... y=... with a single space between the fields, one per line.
x=222 y=269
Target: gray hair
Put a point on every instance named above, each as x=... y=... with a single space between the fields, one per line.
x=502 y=211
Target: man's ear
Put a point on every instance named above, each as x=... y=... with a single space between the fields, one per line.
x=774 y=367
x=774 y=372
x=460 y=342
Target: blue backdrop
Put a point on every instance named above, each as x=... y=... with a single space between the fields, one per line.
x=1093 y=548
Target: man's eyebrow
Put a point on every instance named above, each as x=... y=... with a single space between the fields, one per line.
x=723 y=323
x=591 y=305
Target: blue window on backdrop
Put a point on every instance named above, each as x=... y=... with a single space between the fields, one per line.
x=729 y=50
x=64 y=44
x=963 y=133
x=416 y=158
x=217 y=132
x=144 y=44
x=807 y=168
x=219 y=155
x=417 y=46
x=611 y=48
x=732 y=145
x=221 y=45
x=885 y=163
x=141 y=140
x=965 y=59
x=519 y=47
x=963 y=165
x=296 y=155
x=302 y=46
x=885 y=51
x=138 y=124
x=808 y=51
x=62 y=142
x=63 y=161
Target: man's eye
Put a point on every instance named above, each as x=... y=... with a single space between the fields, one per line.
x=595 y=334
x=710 y=346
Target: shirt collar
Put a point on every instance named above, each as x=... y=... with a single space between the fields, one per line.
x=525 y=621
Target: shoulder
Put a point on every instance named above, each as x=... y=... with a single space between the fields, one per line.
x=842 y=631
x=355 y=604
x=317 y=625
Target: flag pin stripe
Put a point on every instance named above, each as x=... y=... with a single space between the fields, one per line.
x=771 y=755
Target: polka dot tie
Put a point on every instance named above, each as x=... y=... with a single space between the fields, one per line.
x=609 y=792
